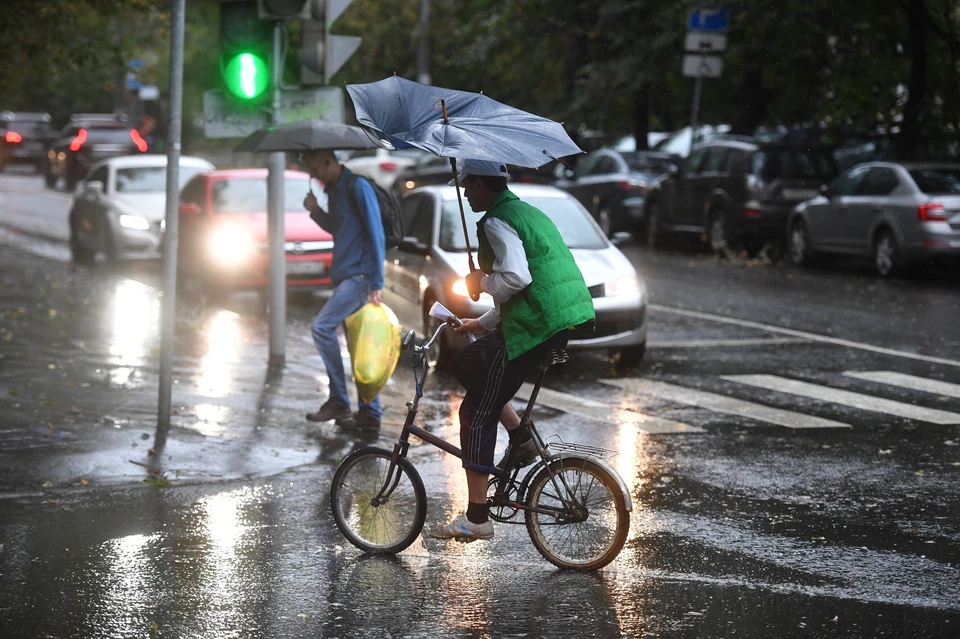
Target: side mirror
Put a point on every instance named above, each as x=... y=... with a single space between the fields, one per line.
x=413 y=245
x=94 y=188
x=189 y=209
x=824 y=190
x=621 y=238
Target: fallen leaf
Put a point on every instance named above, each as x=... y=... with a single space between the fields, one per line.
x=52 y=366
x=47 y=484
x=53 y=313
x=84 y=482
x=152 y=452
x=885 y=451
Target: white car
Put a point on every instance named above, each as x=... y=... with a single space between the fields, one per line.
x=430 y=264
x=382 y=166
x=120 y=206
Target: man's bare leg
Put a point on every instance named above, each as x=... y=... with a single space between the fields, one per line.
x=509 y=417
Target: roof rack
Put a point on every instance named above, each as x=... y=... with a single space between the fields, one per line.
x=25 y=115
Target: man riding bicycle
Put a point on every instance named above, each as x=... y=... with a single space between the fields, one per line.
x=539 y=295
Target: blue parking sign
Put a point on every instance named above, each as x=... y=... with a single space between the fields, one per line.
x=708 y=19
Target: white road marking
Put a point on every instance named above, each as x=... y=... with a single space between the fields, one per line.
x=923 y=384
x=723 y=404
x=846 y=398
x=707 y=343
x=604 y=412
x=810 y=336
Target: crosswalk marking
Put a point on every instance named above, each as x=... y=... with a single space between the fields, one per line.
x=604 y=412
x=846 y=398
x=723 y=404
x=912 y=382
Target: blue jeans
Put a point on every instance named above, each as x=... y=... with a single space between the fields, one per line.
x=348 y=297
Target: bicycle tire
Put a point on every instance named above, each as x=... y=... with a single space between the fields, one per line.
x=389 y=527
x=578 y=545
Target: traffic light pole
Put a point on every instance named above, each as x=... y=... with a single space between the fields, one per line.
x=276 y=207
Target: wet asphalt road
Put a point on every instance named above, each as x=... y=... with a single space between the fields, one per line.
x=834 y=515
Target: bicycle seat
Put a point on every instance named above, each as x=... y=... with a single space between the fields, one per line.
x=556 y=356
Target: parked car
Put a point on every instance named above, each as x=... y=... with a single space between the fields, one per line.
x=85 y=140
x=737 y=193
x=121 y=206
x=382 y=166
x=222 y=245
x=898 y=213
x=431 y=263
x=23 y=138
x=611 y=185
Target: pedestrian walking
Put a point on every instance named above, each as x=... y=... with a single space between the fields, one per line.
x=539 y=295
x=354 y=221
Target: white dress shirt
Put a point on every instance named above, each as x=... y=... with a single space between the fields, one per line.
x=511 y=271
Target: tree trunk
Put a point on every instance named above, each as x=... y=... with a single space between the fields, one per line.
x=641 y=116
x=917 y=20
x=753 y=110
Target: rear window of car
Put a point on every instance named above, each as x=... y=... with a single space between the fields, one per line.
x=644 y=162
x=249 y=195
x=112 y=135
x=26 y=127
x=151 y=179
x=573 y=223
x=937 y=181
x=772 y=164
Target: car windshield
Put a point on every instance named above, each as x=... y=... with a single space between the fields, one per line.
x=937 y=181
x=772 y=164
x=151 y=179
x=574 y=225
x=249 y=195
x=643 y=162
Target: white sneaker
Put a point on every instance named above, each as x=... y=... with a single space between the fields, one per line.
x=462 y=529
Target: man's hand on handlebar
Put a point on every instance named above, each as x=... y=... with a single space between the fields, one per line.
x=469 y=325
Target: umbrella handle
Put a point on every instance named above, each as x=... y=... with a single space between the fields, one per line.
x=463 y=219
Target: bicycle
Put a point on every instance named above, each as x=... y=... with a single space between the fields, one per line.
x=576 y=507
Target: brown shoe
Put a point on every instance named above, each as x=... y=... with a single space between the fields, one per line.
x=359 y=421
x=331 y=409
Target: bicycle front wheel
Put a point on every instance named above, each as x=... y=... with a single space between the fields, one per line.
x=580 y=519
x=385 y=525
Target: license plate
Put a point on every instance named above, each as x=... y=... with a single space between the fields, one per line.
x=307 y=268
x=798 y=194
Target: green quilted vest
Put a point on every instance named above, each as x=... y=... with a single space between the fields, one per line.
x=557 y=298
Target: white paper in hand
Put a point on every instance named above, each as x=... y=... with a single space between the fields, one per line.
x=440 y=312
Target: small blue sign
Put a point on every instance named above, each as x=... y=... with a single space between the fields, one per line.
x=136 y=63
x=134 y=83
x=708 y=19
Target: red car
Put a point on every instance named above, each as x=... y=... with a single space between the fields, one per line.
x=222 y=234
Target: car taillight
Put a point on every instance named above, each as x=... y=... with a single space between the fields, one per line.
x=139 y=141
x=388 y=166
x=78 y=141
x=931 y=212
x=751 y=212
x=626 y=185
x=13 y=137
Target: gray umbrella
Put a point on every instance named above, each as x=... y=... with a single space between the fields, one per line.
x=306 y=136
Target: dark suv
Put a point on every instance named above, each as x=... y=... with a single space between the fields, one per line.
x=23 y=138
x=736 y=192
x=85 y=140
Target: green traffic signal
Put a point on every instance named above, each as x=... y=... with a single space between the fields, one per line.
x=246 y=76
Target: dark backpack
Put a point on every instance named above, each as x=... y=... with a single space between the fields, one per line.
x=389 y=211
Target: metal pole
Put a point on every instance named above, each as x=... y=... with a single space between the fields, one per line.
x=423 y=46
x=697 y=88
x=276 y=208
x=169 y=301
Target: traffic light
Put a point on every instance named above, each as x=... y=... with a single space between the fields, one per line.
x=288 y=9
x=245 y=43
x=323 y=53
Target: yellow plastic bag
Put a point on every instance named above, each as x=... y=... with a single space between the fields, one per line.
x=373 y=337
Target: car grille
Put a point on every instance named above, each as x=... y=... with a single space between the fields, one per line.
x=621 y=322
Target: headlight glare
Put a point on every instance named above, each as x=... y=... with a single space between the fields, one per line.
x=134 y=222
x=622 y=286
x=460 y=288
x=231 y=245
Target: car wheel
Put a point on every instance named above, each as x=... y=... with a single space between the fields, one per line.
x=798 y=244
x=631 y=356
x=886 y=255
x=439 y=355
x=107 y=242
x=653 y=224
x=80 y=254
x=605 y=220
x=50 y=179
x=717 y=233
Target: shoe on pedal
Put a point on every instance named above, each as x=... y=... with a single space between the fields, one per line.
x=331 y=409
x=527 y=455
x=462 y=529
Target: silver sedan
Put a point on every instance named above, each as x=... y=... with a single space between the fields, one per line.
x=431 y=263
x=897 y=213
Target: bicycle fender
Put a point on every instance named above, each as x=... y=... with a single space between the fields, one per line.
x=627 y=501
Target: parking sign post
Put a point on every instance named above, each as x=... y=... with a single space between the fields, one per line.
x=705 y=36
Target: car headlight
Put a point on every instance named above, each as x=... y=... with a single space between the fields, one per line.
x=134 y=222
x=460 y=288
x=622 y=286
x=230 y=245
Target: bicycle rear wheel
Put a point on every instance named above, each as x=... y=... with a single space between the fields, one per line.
x=589 y=534
x=385 y=527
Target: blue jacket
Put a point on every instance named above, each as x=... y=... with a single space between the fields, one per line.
x=358 y=239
